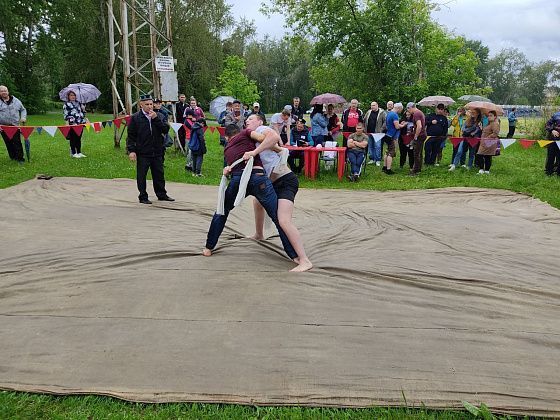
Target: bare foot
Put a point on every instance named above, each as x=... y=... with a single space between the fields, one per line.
x=296 y=260
x=257 y=237
x=206 y=252
x=304 y=265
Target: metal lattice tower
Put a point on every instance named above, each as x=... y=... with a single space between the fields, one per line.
x=139 y=31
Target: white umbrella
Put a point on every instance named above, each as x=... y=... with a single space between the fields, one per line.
x=219 y=104
x=84 y=92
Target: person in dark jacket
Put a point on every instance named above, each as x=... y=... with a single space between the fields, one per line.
x=553 y=149
x=179 y=112
x=144 y=145
x=436 y=128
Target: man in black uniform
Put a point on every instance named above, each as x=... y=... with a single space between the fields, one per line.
x=144 y=145
x=179 y=111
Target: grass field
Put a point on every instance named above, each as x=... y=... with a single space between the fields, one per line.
x=516 y=169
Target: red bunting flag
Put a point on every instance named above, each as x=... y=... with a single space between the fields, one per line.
x=78 y=129
x=212 y=129
x=205 y=128
x=473 y=141
x=118 y=122
x=10 y=130
x=407 y=139
x=346 y=134
x=526 y=143
x=455 y=141
x=221 y=130
x=26 y=131
x=65 y=130
x=127 y=119
x=97 y=127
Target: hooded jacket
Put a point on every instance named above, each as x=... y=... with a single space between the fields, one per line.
x=12 y=112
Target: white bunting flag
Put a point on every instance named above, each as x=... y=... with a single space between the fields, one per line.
x=176 y=126
x=50 y=129
x=558 y=144
x=378 y=136
x=507 y=142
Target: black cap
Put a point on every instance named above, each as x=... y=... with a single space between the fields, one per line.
x=157 y=101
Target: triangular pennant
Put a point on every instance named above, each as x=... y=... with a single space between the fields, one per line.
x=212 y=129
x=50 y=129
x=88 y=126
x=345 y=134
x=507 y=142
x=544 y=143
x=455 y=141
x=39 y=130
x=10 y=130
x=78 y=129
x=490 y=142
x=176 y=126
x=65 y=130
x=473 y=141
x=110 y=123
x=97 y=127
x=558 y=144
x=221 y=130
x=26 y=131
x=127 y=119
x=526 y=143
x=118 y=122
x=104 y=123
x=205 y=128
x=378 y=136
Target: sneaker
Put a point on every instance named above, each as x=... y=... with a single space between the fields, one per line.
x=384 y=169
x=81 y=155
x=75 y=155
x=463 y=166
x=199 y=175
x=377 y=163
x=451 y=168
x=350 y=178
x=437 y=164
x=389 y=172
x=487 y=172
x=370 y=162
x=481 y=172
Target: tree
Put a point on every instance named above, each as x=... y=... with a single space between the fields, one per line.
x=504 y=71
x=381 y=50
x=234 y=82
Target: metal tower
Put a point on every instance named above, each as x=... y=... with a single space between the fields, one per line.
x=139 y=35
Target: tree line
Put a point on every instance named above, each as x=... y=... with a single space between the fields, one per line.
x=382 y=50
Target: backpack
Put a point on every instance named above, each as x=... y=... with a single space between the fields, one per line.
x=196 y=142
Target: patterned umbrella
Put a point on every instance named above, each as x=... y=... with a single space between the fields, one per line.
x=328 y=98
x=436 y=100
x=485 y=107
x=219 y=104
x=84 y=92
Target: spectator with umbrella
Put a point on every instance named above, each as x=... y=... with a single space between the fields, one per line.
x=75 y=97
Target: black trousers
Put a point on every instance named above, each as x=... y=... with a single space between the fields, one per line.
x=296 y=155
x=14 y=147
x=404 y=152
x=511 y=132
x=181 y=134
x=433 y=147
x=485 y=162
x=155 y=165
x=552 y=157
x=75 y=142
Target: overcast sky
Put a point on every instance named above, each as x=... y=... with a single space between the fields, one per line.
x=532 y=26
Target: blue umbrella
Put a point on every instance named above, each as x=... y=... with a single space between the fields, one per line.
x=84 y=92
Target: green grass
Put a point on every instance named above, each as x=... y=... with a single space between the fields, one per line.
x=517 y=170
x=14 y=405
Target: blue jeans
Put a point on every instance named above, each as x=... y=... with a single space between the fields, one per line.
x=197 y=162
x=461 y=152
x=356 y=158
x=261 y=188
x=374 y=149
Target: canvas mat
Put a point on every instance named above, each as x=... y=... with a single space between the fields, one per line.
x=440 y=296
